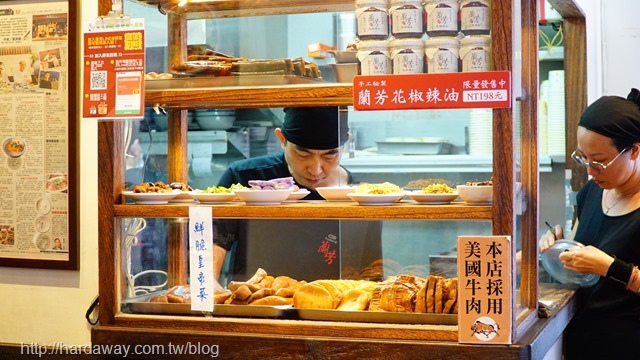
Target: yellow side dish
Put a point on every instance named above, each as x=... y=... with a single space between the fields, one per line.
x=438 y=189
x=222 y=189
x=383 y=188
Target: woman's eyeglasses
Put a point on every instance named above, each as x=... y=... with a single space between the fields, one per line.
x=597 y=166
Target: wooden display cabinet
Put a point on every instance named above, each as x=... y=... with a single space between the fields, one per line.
x=250 y=337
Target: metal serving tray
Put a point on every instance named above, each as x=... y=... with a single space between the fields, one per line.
x=141 y=305
x=377 y=317
x=227 y=81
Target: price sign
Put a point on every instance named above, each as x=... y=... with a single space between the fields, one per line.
x=491 y=89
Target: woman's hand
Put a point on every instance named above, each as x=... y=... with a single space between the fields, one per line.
x=586 y=260
x=549 y=238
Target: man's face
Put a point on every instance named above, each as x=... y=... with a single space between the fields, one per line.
x=312 y=168
x=22 y=65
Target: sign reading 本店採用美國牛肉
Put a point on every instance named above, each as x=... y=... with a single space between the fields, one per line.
x=485 y=299
x=490 y=89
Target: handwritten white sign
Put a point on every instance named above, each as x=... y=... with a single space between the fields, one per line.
x=201 y=258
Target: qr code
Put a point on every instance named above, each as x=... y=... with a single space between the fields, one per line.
x=98 y=80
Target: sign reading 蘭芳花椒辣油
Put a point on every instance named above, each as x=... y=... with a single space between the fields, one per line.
x=485 y=299
x=491 y=89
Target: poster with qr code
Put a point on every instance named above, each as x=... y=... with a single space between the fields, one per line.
x=114 y=71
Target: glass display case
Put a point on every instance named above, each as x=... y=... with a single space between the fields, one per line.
x=145 y=246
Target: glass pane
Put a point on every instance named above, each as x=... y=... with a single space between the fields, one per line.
x=144 y=256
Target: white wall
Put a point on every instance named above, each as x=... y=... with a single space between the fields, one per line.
x=48 y=306
x=591 y=10
x=621 y=46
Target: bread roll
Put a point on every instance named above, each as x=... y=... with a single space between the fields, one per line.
x=159 y=299
x=220 y=296
x=267 y=281
x=335 y=291
x=329 y=294
x=264 y=292
x=272 y=300
x=354 y=300
x=179 y=294
x=285 y=292
x=281 y=282
x=242 y=293
x=313 y=296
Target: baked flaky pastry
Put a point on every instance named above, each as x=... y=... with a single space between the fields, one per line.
x=396 y=294
x=330 y=294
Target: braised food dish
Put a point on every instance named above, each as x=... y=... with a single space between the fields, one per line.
x=14 y=147
x=57 y=183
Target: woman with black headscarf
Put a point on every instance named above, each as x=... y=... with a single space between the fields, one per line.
x=607 y=322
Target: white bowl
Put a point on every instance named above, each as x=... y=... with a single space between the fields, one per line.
x=335 y=193
x=432 y=198
x=182 y=197
x=345 y=72
x=476 y=194
x=215 y=122
x=213 y=198
x=345 y=56
x=162 y=120
x=151 y=198
x=14 y=147
x=297 y=195
x=263 y=197
x=376 y=199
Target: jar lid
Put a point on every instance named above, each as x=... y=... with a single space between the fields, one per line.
x=406 y=42
x=435 y=2
x=464 y=2
x=373 y=45
x=400 y=2
x=383 y=3
x=476 y=40
x=445 y=41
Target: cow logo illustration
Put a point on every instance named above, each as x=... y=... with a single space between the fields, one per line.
x=485 y=328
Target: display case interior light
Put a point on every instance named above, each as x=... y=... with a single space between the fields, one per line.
x=164 y=10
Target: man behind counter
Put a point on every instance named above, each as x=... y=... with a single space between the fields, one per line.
x=312 y=141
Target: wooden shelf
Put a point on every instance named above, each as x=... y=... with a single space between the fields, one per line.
x=327 y=94
x=317 y=210
x=236 y=8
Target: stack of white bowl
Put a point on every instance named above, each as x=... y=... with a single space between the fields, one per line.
x=543 y=110
x=161 y=120
x=481 y=132
x=215 y=119
x=556 y=114
x=517 y=115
